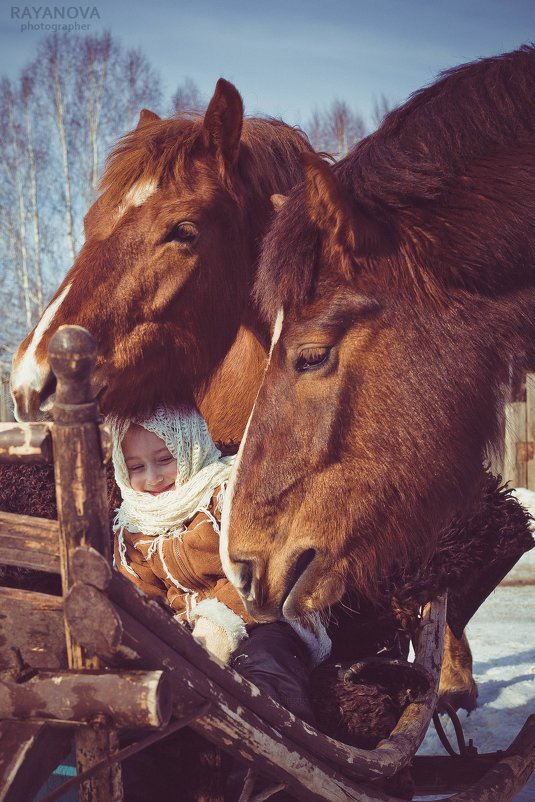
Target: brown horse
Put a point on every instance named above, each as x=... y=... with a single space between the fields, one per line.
x=400 y=280
x=163 y=280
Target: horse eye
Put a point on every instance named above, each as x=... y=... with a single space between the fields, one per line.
x=311 y=358
x=185 y=233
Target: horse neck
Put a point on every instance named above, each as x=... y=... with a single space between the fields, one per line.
x=228 y=400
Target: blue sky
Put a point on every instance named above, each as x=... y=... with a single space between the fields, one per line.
x=288 y=56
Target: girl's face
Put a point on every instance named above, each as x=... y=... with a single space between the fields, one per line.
x=151 y=466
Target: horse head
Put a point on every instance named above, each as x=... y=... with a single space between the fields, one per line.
x=164 y=276
x=400 y=290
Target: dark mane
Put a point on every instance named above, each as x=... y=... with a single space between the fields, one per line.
x=404 y=176
x=159 y=151
x=443 y=128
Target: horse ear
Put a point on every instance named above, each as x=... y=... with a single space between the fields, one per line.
x=346 y=228
x=278 y=201
x=328 y=204
x=223 y=123
x=146 y=116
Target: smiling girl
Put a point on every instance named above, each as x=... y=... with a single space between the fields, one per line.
x=171 y=477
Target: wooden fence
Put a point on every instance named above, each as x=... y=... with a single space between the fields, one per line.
x=519 y=445
x=6 y=404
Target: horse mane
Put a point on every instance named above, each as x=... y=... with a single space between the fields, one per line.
x=405 y=172
x=160 y=150
x=443 y=128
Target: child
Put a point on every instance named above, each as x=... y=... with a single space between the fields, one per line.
x=172 y=478
x=166 y=530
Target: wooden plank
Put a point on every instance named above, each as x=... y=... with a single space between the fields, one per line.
x=25 y=442
x=233 y=726
x=80 y=479
x=6 y=402
x=29 y=542
x=90 y=567
x=93 y=621
x=29 y=752
x=410 y=730
x=530 y=414
x=32 y=623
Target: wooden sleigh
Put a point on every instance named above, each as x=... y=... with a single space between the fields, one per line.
x=101 y=659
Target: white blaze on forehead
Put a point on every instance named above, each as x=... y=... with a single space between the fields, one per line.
x=137 y=195
x=28 y=374
x=277 y=329
x=232 y=571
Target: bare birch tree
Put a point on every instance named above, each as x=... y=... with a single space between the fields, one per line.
x=187 y=98
x=27 y=90
x=57 y=123
x=56 y=65
x=140 y=85
x=17 y=205
x=336 y=129
x=381 y=107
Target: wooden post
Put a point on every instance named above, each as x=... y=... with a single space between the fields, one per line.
x=530 y=426
x=83 y=518
x=6 y=405
x=519 y=451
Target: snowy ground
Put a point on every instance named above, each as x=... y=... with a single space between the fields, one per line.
x=502 y=637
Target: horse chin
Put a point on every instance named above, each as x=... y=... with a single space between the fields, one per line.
x=45 y=408
x=317 y=588
x=262 y=615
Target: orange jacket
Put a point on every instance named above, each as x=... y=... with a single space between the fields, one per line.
x=184 y=569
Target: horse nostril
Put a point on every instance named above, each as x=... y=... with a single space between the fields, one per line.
x=303 y=561
x=301 y=564
x=246 y=576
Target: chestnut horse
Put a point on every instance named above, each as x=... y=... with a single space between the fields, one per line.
x=399 y=282
x=163 y=280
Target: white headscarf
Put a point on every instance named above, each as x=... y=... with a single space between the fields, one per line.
x=200 y=469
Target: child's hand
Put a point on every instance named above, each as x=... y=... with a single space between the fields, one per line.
x=213 y=637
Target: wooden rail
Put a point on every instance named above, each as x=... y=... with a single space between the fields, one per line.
x=29 y=542
x=26 y=443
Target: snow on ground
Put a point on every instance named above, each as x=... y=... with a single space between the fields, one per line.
x=502 y=638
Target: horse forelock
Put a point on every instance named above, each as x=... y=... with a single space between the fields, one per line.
x=165 y=151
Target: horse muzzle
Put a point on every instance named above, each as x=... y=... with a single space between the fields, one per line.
x=31 y=404
x=271 y=592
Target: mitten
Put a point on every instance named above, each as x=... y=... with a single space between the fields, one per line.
x=213 y=637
